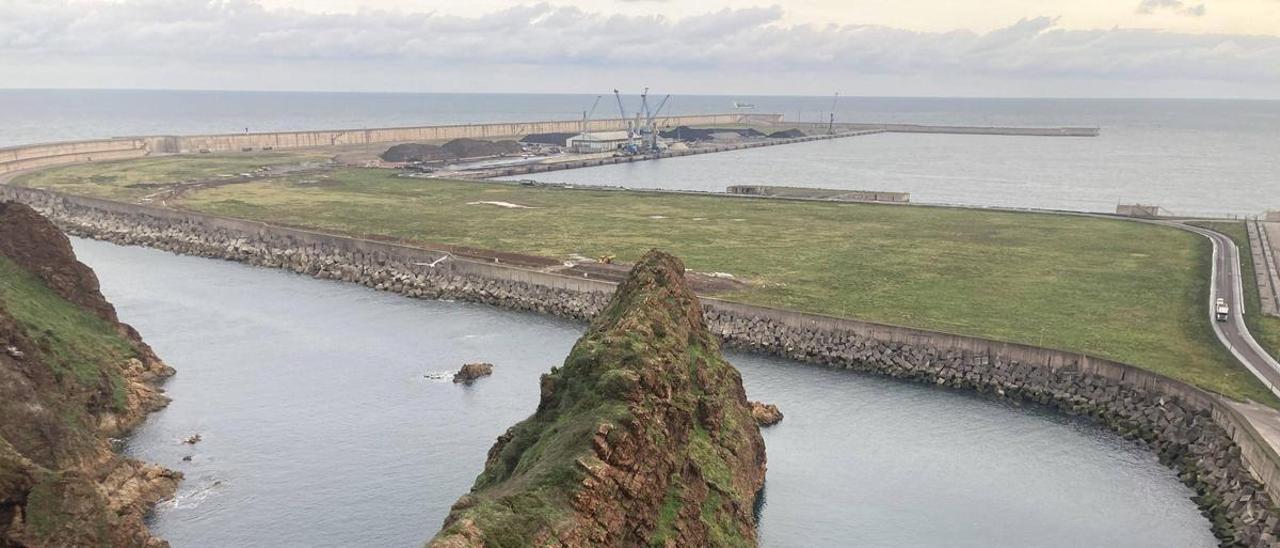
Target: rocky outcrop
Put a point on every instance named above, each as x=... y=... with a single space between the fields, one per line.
x=642 y=437
x=472 y=371
x=765 y=414
x=71 y=377
x=1192 y=437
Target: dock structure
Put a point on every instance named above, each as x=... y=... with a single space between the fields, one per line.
x=955 y=130
x=828 y=194
x=525 y=169
x=1140 y=211
x=1265 y=268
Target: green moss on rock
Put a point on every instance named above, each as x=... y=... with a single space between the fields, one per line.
x=643 y=437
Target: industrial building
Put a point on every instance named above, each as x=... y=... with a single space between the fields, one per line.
x=599 y=141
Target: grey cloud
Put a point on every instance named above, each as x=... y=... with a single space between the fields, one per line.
x=755 y=40
x=1148 y=7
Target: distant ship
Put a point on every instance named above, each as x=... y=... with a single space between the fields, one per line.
x=743 y=106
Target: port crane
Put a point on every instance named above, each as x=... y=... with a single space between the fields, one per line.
x=586 y=115
x=831 y=122
x=630 y=147
x=651 y=122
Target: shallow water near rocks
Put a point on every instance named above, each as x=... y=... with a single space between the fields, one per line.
x=320 y=427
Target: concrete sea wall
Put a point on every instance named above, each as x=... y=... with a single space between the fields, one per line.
x=1213 y=448
x=963 y=130
x=43 y=155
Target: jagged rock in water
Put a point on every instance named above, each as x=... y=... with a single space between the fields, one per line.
x=472 y=371
x=766 y=414
x=643 y=437
x=71 y=377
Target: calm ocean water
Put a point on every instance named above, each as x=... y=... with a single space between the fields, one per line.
x=319 y=428
x=1194 y=157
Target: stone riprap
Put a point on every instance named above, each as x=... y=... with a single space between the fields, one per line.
x=1214 y=450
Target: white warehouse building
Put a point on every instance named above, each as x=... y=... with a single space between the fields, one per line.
x=599 y=141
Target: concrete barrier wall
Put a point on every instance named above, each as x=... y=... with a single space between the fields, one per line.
x=963 y=130
x=307 y=139
x=1129 y=399
x=33 y=156
x=24 y=157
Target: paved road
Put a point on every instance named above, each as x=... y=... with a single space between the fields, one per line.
x=1234 y=334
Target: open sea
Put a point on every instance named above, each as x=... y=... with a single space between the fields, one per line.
x=1192 y=157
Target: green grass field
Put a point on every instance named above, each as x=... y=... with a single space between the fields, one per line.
x=131 y=180
x=1265 y=329
x=1122 y=290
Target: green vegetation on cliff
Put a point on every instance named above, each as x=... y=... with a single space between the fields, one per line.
x=70 y=377
x=75 y=343
x=643 y=436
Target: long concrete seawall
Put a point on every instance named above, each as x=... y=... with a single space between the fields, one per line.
x=23 y=157
x=961 y=130
x=1214 y=449
x=48 y=154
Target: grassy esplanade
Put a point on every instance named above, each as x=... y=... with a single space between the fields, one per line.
x=1127 y=291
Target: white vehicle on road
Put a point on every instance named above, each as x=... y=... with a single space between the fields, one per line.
x=1220 y=310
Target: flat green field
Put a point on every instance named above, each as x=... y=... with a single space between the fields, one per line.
x=131 y=180
x=1117 y=289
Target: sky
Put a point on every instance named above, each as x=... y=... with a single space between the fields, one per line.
x=991 y=48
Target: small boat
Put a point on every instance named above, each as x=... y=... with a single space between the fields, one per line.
x=743 y=106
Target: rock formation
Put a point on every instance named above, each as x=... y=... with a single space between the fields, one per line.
x=72 y=376
x=642 y=437
x=472 y=371
x=766 y=414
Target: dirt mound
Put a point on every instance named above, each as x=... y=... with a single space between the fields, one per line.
x=475 y=148
x=787 y=134
x=643 y=437
x=416 y=152
x=686 y=133
x=71 y=377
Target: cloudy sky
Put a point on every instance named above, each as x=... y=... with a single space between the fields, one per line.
x=1157 y=48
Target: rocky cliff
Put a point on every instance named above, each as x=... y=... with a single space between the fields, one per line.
x=643 y=437
x=71 y=378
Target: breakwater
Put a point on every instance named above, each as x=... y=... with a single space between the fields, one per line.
x=960 y=130
x=1215 y=449
x=525 y=169
x=1265 y=267
x=43 y=155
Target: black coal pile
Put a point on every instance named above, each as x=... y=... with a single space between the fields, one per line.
x=787 y=134
x=452 y=150
x=475 y=148
x=686 y=133
x=416 y=152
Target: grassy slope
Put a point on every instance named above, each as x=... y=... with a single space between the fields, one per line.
x=112 y=179
x=1117 y=289
x=1265 y=329
x=78 y=345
